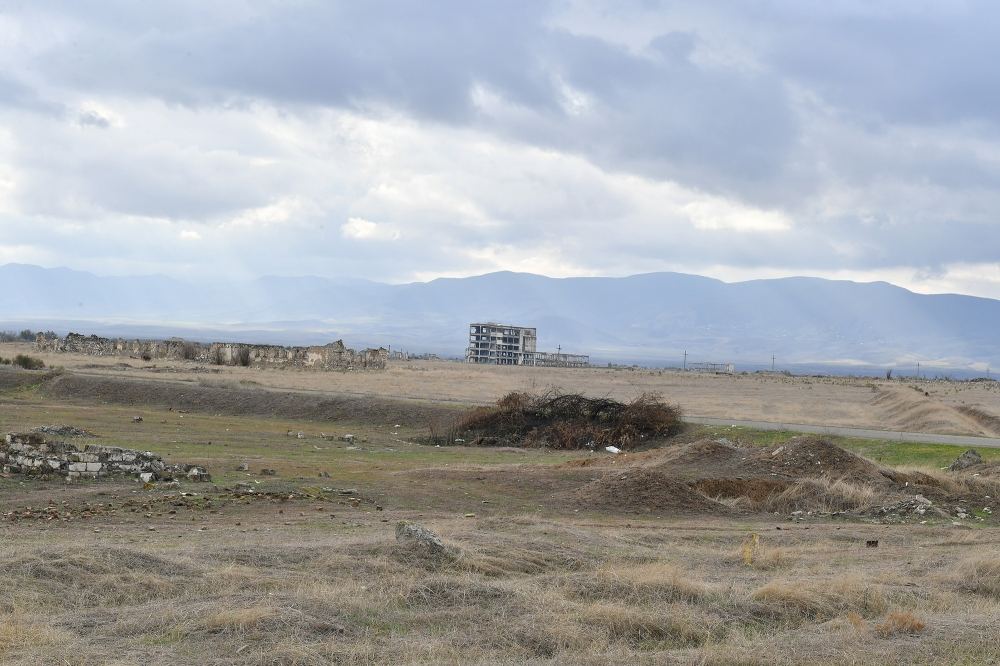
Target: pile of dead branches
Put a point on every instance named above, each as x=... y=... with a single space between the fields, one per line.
x=565 y=421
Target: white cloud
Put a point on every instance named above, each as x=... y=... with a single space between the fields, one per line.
x=358 y=228
x=189 y=235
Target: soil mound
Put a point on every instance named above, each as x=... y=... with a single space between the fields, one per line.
x=812 y=457
x=700 y=459
x=644 y=490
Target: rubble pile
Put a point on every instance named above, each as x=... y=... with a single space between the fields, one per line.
x=32 y=453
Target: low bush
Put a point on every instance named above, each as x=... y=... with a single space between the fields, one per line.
x=28 y=362
x=565 y=421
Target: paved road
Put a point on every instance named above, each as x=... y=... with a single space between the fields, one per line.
x=890 y=435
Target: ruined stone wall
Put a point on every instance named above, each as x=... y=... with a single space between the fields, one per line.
x=333 y=356
x=31 y=453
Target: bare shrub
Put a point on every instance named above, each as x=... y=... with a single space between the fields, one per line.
x=568 y=421
x=189 y=351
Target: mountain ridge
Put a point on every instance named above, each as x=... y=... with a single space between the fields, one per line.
x=646 y=316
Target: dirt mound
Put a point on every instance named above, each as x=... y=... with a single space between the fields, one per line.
x=563 y=421
x=989 y=422
x=700 y=459
x=816 y=457
x=913 y=411
x=644 y=490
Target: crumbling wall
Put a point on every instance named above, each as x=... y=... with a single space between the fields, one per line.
x=31 y=453
x=333 y=356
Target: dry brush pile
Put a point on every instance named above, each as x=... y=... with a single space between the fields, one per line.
x=563 y=421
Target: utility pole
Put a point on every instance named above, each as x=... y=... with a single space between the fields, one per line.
x=772 y=362
x=918 y=369
x=685 y=360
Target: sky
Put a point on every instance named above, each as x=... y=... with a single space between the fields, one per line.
x=402 y=141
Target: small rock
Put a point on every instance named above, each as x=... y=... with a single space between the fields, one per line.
x=136 y=419
x=420 y=539
x=198 y=474
x=967 y=459
x=244 y=467
x=268 y=472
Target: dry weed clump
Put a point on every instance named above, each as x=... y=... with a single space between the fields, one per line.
x=821 y=600
x=821 y=494
x=565 y=421
x=680 y=625
x=19 y=632
x=899 y=622
x=980 y=575
x=639 y=583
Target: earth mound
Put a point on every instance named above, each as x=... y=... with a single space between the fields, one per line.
x=816 y=457
x=643 y=490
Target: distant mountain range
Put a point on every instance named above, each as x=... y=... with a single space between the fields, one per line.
x=652 y=318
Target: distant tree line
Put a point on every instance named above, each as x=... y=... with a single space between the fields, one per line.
x=27 y=335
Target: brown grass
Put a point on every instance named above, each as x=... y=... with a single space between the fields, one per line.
x=980 y=575
x=899 y=622
x=822 y=599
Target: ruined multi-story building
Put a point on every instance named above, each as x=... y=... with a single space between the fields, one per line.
x=501 y=344
x=333 y=356
x=560 y=360
x=504 y=344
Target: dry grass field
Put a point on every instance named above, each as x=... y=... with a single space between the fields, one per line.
x=941 y=407
x=553 y=557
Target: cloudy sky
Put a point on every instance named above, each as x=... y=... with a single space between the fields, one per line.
x=403 y=141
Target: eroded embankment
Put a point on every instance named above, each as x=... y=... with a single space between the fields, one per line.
x=225 y=399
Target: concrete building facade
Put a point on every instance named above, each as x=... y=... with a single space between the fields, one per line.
x=501 y=344
x=560 y=360
x=504 y=344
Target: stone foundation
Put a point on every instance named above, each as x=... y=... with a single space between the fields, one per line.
x=333 y=356
x=33 y=454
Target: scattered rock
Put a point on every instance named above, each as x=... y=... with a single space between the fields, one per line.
x=244 y=467
x=268 y=472
x=968 y=459
x=62 y=431
x=136 y=419
x=347 y=438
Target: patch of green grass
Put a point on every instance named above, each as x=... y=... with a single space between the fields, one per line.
x=885 y=452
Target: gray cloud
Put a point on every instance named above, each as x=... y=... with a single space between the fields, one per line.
x=520 y=135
